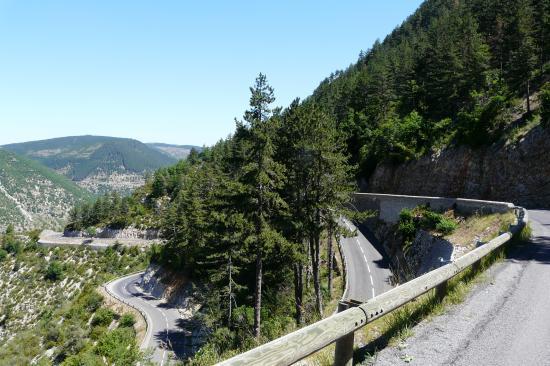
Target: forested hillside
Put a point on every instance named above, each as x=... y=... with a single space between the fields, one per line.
x=454 y=73
x=248 y=218
x=99 y=164
x=33 y=196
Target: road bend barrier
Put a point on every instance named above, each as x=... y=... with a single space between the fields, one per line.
x=148 y=321
x=339 y=328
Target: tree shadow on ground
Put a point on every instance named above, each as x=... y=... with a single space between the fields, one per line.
x=537 y=249
x=183 y=341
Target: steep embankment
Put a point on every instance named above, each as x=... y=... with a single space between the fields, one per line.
x=517 y=172
x=97 y=163
x=33 y=196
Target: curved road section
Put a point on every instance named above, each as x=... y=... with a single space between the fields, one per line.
x=368 y=271
x=164 y=334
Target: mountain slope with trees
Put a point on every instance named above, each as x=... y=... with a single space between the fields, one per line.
x=454 y=73
x=33 y=196
x=97 y=163
x=249 y=218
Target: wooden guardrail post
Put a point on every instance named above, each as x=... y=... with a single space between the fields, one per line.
x=441 y=290
x=476 y=266
x=343 y=354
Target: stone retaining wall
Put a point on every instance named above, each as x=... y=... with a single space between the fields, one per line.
x=388 y=206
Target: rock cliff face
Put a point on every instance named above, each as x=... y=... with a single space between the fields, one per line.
x=518 y=173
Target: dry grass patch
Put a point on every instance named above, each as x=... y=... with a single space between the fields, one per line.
x=477 y=228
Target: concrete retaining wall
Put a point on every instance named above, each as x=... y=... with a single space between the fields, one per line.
x=388 y=206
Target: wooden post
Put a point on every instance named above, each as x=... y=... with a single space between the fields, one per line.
x=343 y=354
x=476 y=266
x=441 y=290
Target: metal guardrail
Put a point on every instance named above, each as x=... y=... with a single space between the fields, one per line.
x=143 y=314
x=340 y=327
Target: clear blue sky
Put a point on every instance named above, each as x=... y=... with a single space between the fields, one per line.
x=169 y=71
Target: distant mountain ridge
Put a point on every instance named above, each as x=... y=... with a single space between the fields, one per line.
x=97 y=163
x=175 y=151
x=33 y=196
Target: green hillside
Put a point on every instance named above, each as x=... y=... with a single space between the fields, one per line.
x=95 y=162
x=32 y=195
x=454 y=73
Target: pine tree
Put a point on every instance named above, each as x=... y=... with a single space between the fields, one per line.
x=261 y=177
x=523 y=57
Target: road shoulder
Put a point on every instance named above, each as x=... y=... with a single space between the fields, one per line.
x=441 y=339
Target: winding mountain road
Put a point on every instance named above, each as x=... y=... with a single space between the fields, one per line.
x=164 y=325
x=368 y=271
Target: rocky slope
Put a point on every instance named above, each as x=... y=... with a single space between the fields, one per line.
x=99 y=164
x=33 y=196
x=517 y=172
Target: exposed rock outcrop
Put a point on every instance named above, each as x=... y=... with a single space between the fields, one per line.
x=518 y=173
x=106 y=233
x=425 y=253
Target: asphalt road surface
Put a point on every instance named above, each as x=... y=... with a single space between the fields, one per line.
x=368 y=272
x=504 y=321
x=164 y=333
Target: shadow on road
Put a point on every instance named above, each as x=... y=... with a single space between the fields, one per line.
x=538 y=249
x=183 y=341
x=384 y=262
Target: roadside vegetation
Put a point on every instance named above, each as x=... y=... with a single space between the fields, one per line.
x=50 y=311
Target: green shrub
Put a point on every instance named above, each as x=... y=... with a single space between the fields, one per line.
x=53 y=336
x=103 y=316
x=406 y=215
x=97 y=332
x=446 y=226
x=431 y=219
x=127 y=320
x=3 y=254
x=93 y=301
x=54 y=272
x=12 y=245
x=407 y=228
x=119 y=347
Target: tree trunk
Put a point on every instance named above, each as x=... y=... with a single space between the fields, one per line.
x=230 y=295
x=330 y=261
x=308 y=264
x=258 y=295
x=299 y=292
x=528 y=101
x=315 y=249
